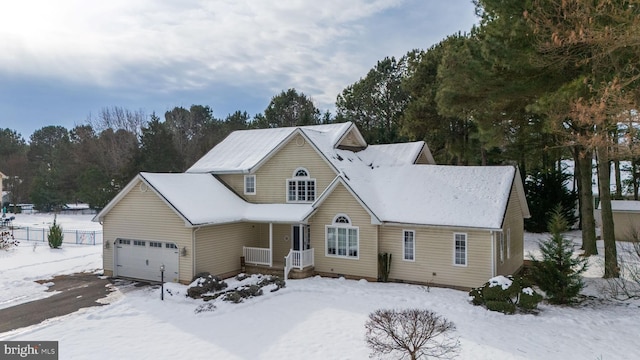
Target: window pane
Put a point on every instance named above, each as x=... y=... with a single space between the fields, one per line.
x=461 y=249
x=301 y=190
x=249 y=184
x=292 y=191
x=342 y=241
x=311 y=190
x=301 y=173
x=408 y=245
x=331 y=241
x=353 y=242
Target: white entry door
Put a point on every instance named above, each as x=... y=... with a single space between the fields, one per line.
x=141 y=259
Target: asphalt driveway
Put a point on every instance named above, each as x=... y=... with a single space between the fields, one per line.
x=76 y=291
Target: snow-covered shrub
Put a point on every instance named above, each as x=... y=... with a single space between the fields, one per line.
x=206 y=307
x=505 y=294
x=55 y=236
x=7 y=240
x=206 y=283
x=276 y=280
x=241 y=293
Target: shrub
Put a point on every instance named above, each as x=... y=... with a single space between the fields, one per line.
x=384 y=266
x=413 y=332
x=205 y=284
x=55 y=236
x=506 y=295
x=268 y=280
x=7 y=240
x=558 y=273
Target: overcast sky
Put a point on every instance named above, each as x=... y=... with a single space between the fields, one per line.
x=62 y=61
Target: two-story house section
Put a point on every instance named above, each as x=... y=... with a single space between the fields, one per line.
x=318 y=199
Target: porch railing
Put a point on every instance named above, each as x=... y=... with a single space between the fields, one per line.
x=257 y=256
x=297 y=259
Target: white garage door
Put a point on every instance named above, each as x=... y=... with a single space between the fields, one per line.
x=141 y=259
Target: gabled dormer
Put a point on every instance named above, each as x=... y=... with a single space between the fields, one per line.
x=352 y=140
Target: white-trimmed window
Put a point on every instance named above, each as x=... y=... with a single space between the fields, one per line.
x=409 y=245
x=508 y=243
x=301 y=187
x=500 y=236
x=342 y=239
x=460 y=249
x=249 y=184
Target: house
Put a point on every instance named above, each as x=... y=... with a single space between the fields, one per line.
x=318 y=200
x=626 y=219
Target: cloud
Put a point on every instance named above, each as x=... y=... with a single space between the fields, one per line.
x=160 y=47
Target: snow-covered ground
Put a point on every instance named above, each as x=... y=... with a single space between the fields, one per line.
x=315 y=318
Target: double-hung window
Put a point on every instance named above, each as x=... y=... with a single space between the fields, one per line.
x=301 y=187
x=249 y=184
x=460 y=249
x=409 y=245
x=342 y=238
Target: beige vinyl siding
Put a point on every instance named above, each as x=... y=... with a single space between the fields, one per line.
x=219 y=247
x=340 y=201
x=271 y=177
x=351 y=140
x=434 y=256
x=236 y=183
x=422 y=158
x=513 y=222
x=282 y=240
x=142 y=215
x=627 y=225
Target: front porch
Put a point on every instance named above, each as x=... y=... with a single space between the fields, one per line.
x=298 y=264
x=288 y=254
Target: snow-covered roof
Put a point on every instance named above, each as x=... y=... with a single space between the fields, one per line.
x=624 y=205
x=460 y=196
x=201 y=199
x=243 y=150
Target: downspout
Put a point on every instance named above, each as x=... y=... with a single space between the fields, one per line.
x=193 y=251
x=493 y=253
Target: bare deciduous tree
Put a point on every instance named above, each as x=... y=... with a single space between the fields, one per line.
x=411 y=333
x=627 y=286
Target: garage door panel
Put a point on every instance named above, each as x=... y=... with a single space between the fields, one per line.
x=141 y=259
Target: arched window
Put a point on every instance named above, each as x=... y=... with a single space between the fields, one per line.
x=342 y=238
x=301 y=188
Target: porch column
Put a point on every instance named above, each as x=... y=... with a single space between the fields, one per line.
x=270 y=244
x=300 y=245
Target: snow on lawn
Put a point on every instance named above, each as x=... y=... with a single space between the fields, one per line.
x=315 y=318
x=21 y=267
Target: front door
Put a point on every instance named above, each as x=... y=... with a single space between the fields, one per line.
x=300 y=238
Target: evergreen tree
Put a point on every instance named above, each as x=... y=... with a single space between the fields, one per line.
x=558 y=273
x=55 y=236
x=157 y=150
x=546 y=190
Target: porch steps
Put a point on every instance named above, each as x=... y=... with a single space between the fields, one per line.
x=278 y=270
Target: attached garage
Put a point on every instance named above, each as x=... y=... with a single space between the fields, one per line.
x=141 y=259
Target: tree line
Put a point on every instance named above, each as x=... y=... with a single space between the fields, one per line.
x=534 y=83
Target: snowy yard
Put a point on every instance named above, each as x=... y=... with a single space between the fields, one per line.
x=315 y=318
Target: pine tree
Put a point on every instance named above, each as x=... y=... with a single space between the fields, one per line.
x=558 y=273
x=55 y=236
